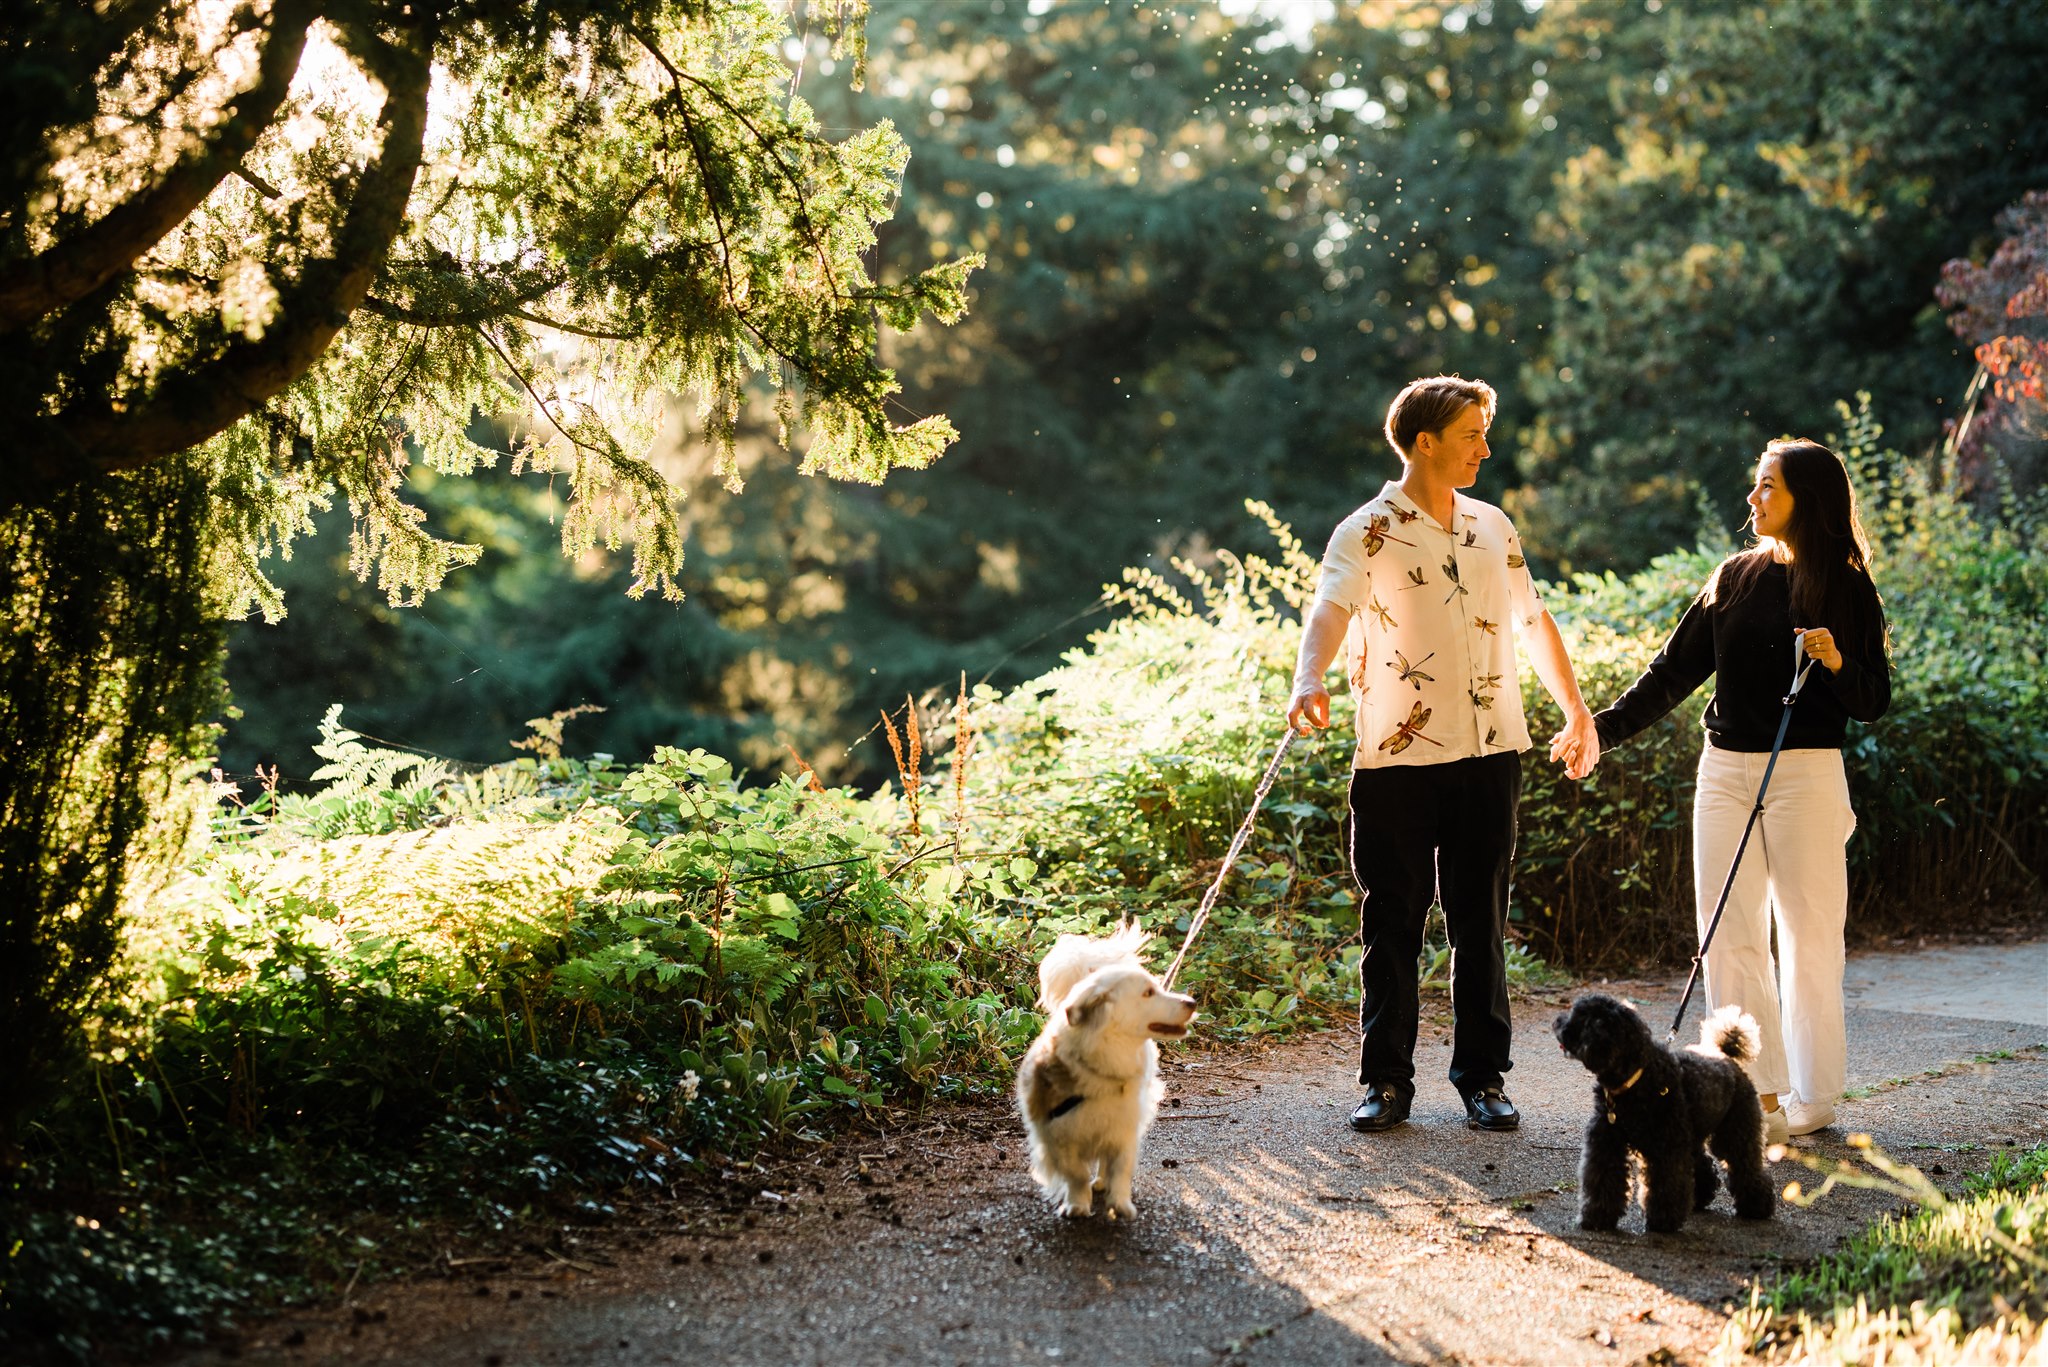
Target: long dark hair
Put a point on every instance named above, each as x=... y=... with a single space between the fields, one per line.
x=1831 y=581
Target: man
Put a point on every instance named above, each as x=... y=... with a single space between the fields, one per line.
x=1429 y=591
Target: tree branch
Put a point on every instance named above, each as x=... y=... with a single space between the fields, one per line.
x=76 y=48
x=700 y=154
x=477 y=317
x=803 y=208
x=190 y=407
x=538 y=401
x=80 y=264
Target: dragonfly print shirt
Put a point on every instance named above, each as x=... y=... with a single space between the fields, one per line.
x=1434 y=612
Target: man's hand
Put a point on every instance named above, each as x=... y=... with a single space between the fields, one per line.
x=1308 y=710
x=1578 y=744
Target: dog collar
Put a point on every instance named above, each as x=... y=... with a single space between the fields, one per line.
x=1069 y=1104
x=1612 y=1092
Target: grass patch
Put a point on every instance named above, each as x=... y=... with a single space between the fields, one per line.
x=1958 y=1279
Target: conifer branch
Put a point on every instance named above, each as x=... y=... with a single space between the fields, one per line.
x=76 y=266
x=700 y=154
x=197 y=404
x=539 y=403
x=78 y=52
x=767 y=145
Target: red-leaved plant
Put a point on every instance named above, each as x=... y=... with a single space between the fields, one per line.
x=2001 y=309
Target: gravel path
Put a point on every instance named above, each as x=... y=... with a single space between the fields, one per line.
x=1267 y=1233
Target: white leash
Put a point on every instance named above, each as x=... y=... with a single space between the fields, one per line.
x=1236 y=847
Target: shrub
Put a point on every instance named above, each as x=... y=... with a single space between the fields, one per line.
x=1945 y=785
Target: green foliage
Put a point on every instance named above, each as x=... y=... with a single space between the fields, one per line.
x=108 y=680
x=1127 y=772
x=368 y=790
x=511 y=992
x=334 y=274
x=519 y=635
x=1209 y=264
x=1212 y=255
x=239 y=259
x=394 y=1002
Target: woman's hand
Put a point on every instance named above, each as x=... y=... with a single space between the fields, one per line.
x=1577 y=745
x=1819 y=643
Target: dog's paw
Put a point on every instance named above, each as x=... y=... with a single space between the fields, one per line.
x=1125 y=1209
x=1598 y=1223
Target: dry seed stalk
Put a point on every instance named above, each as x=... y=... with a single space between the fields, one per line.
x=907 y=770
x=810 y=774
x=963 y=745
x=916 y=760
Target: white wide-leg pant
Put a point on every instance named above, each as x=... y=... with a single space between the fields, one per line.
x=1795 y=872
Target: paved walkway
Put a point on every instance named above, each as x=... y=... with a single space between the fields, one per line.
x=1268 y=1233
x=1973 y=982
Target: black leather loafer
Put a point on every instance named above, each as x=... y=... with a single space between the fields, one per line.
x=1489 y=1109
x=1382 y=1109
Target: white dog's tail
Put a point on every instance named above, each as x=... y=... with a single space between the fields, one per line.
x=1732 y=1032
x=1074 y=957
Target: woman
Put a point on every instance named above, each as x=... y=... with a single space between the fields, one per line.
x=1802 y=592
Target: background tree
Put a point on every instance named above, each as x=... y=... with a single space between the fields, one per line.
x=1216 y=241
x=1753 y=200
x=1214 y=246
x=255 y=256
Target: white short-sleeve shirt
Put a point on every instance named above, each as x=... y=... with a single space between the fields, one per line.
x=1434 y=615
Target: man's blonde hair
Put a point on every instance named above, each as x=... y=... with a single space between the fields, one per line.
x=1431 y=405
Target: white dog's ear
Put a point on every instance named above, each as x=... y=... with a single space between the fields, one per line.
x=1082 y=1004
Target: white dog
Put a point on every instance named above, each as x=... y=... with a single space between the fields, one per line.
x=1089 y=1085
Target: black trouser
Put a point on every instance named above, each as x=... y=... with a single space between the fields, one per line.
x=1423 y=833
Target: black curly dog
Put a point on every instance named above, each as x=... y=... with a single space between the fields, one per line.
x=1669 y=1106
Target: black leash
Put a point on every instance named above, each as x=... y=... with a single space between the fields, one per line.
x=1236 y=846
x=1728 y=884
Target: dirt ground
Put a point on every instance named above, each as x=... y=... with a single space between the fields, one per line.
x=1268 y=1232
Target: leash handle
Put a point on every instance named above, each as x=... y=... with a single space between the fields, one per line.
x=1244 y=832
x=1799 y=672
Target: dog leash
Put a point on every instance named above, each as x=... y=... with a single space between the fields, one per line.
x=1728 y=884
x=1236 y=847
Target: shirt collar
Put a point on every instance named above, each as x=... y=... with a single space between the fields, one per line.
x=1462 y=508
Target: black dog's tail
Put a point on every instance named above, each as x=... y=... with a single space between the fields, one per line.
x=1732 y=1032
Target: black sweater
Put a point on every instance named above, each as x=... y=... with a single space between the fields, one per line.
x=1748 y=647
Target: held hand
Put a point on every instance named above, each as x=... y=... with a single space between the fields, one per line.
x=1308 y=710
x=1819 y=643
x=1577 y=745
